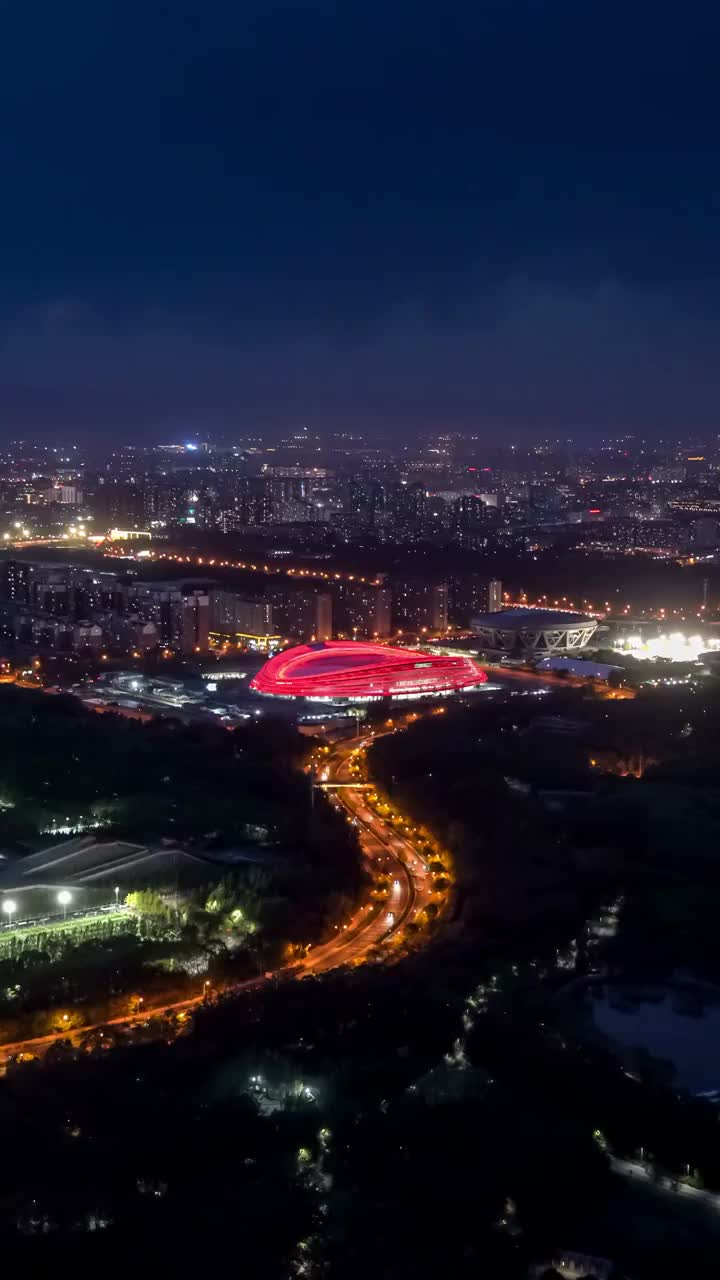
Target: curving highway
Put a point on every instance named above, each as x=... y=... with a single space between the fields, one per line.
x=387 y=853
x=374 y=923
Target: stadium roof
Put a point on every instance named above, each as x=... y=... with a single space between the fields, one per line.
x=84 y=860
x=515 y=618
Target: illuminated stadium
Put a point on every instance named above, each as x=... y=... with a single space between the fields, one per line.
x=352 y=671
x=533 y=632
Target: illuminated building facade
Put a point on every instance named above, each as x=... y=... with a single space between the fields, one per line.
x=349 y=671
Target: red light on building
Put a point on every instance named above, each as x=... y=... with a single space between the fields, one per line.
x=359 y=671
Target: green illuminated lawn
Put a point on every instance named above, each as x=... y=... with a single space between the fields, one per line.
x=79 y=924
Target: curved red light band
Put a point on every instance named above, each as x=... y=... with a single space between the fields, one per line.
x=389 y=671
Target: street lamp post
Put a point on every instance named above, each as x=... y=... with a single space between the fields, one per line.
x=117 y=891
x=9 y=906
x=64 y=898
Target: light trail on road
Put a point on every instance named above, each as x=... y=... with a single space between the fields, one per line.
x=373 y=924
x=380 y=843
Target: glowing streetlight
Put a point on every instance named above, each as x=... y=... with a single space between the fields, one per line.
x=117 y=892
x=64 y=898
x=9 y=906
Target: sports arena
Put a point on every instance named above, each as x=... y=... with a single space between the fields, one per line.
x=352 y=671
x=529 y=633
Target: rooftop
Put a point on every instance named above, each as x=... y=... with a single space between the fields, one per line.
x=83 y=860
x=532 y=618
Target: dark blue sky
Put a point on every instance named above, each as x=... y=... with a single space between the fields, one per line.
x=254 y=213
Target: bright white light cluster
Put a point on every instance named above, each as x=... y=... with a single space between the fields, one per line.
x=676 y=646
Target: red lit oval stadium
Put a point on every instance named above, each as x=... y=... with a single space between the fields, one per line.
x=361 y=672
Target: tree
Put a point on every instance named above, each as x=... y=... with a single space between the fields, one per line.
x=148 y=902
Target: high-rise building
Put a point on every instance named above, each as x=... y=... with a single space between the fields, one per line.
x=69 y=493
x=302 y=614
x=244 y=502
x=180 y=612
x=362 y=609
x=144 y=636
x=239 y=618
x=195 y=634
x=408 y=505
x=160 y=603
x=365 y=500
x=471 y=593
x=52 y=597
x=495 y=595
x=87 y=636
x=420 y=604
x=470 y=511
x=15 y=581
x=175 y=504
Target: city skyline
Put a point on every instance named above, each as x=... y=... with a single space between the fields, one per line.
x=360 y=638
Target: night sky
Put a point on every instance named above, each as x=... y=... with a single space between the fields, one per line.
x=258 y=213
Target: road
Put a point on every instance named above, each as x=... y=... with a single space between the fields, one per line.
x=375 y=923
x=387 y=853
x=643 y=1173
